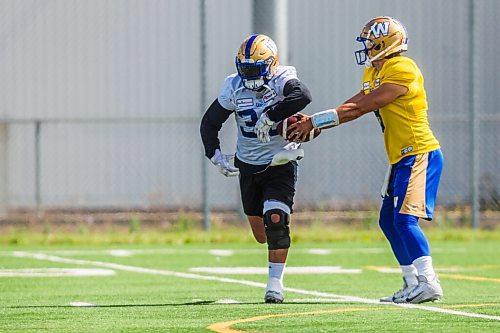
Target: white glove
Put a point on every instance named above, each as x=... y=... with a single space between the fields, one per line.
x=222 y=162
x=262 y=128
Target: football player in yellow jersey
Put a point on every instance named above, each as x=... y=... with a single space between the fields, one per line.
x=393 y=89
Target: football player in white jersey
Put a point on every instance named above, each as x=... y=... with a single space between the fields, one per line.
x=260 y=94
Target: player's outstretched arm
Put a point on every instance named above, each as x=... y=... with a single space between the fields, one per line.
x=378 y=98
x=355 y=98
x=354 y=108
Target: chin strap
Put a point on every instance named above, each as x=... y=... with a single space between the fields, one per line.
x=369 y=61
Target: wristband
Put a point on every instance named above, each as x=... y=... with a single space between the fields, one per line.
x=325 y=118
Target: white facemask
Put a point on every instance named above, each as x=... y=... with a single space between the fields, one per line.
x=253 y=84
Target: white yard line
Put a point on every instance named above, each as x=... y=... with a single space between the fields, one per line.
x=55 y=272
x=120 y=253
x=290 y=270
x=320 y=252
x=82 y=304
x=227 y=301
x=222 y=253
x=135 y=269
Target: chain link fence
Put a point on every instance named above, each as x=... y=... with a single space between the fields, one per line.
x=101 y=101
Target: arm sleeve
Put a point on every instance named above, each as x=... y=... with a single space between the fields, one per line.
x=211 y=123
x=297 y=96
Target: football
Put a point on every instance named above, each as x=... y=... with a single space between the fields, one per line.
x=284 y=131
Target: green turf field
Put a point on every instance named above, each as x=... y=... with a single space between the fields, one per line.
x=152 y=288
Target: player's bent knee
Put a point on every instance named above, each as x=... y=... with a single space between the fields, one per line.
x=258 y=229
x=276 y=222
x=261 y=239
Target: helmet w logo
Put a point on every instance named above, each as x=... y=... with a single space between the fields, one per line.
x=380 y=28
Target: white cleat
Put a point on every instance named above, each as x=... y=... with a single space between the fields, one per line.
x=425 y=291
x=274 y=291
x=273 y=297
x=400 y=295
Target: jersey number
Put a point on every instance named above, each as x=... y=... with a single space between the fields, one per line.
x=251 y=115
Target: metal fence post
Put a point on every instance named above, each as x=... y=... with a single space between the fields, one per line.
x=38 y=180
x=474 y=119
x=3 y=168
x=271 y=18
x=203 y=99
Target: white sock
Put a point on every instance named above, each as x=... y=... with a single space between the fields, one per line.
x=275 y=281
x=424 y=267
x=409 y=274
x=276 y=270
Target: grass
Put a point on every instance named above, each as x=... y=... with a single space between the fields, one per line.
x=139 y=302
x=190 y=232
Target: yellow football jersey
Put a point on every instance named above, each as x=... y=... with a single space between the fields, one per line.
x=404 y=120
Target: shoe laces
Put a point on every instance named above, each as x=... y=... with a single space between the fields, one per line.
x=400 y=292
x=404 y=290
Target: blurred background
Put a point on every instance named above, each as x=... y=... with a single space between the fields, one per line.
x=101 y=101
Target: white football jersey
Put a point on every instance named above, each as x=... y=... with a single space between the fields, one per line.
x=248 y=106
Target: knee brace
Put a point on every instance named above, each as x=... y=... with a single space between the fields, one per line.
x=277 y=233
